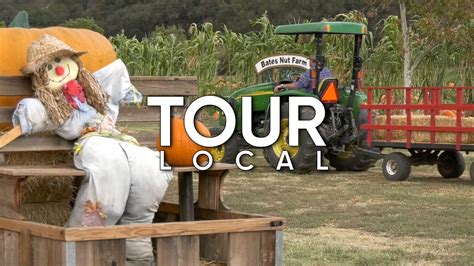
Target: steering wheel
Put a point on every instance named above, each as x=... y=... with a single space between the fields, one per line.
x=293 y=76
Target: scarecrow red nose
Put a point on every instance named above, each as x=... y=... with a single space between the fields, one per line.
x=59 y=70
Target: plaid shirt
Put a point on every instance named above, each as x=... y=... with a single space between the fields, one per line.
x=305 y=80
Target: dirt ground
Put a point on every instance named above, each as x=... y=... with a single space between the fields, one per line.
x=360 y=218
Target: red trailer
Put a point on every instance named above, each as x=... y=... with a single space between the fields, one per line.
x=435 y=124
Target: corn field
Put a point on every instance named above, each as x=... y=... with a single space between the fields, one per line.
x=224 y=60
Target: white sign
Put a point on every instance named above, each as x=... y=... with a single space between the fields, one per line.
x=282 y=61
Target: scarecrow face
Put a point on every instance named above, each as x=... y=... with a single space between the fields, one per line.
x=60 y=71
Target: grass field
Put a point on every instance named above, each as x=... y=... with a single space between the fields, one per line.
x=359 y=218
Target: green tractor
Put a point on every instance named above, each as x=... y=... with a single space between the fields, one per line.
x=340 y=127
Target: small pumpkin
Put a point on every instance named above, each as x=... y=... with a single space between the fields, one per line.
x=448 y=113
x=182 y=148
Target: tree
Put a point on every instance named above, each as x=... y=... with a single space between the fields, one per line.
x=428 y=24
x=20 y=20
x=83 y=23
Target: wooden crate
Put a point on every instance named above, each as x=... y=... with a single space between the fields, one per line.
x=224 y=237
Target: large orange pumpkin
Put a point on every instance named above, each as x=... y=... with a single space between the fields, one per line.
x=15 y=41
x=182 y=148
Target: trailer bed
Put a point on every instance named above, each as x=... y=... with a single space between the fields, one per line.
x=426 y=106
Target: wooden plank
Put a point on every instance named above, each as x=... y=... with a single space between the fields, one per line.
x=167 y=251
x=243 y=249
x=162 y=78
x=36 y=229
x=104 y=252
x=166 y=86
x=85 y=253
x=127 y=113
x=6 y=114
x=207 y=214
x=267 y=248
x=15 y=86
x=214 y=247
x=110 y=252
x=56 y=143
x=11 y=171
x=186 y=202
x=25 y=247
x=8 y=248
x=215 y=167
x=177 y=251
x=186 y=86
x=173 y=229
x=141 y=114
x=10 y=136
x=38 y=143
x=49 y=252
x=210 y=193
x=10 y=197
x=144 y=230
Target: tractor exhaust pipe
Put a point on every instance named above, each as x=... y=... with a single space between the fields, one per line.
x=357 y=66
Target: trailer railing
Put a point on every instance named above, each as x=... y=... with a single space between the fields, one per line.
x=430 y=101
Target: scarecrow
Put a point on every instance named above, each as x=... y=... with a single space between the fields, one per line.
x=123 y=183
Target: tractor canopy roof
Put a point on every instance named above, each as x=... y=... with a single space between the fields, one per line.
x=326 y=27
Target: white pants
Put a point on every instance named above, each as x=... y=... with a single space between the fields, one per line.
x=123 y=185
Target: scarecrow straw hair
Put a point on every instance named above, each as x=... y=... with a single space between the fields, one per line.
x=423 y=136
x=94 y=93
x=57 y=107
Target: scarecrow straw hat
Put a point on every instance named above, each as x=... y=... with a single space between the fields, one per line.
x=44 y=50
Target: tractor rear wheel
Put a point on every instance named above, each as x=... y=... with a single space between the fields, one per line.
x=303 y=157
x=226 y=152
x=451 y=164
x=349 y=160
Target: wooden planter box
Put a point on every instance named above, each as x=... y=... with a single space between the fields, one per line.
x=223 y=237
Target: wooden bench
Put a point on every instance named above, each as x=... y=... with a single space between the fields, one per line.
x=217 y=235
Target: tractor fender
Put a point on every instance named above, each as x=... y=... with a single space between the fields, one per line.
x=284 y=108
x=287 y=93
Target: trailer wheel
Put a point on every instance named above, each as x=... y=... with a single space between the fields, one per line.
x=226 y=152
x=396 y=167
x=472 y=172
x=451 y=164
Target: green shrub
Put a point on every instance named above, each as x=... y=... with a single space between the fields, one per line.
x=83 y=23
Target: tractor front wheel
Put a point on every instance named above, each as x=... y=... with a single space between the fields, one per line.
x=226 y=152
x=303 y=157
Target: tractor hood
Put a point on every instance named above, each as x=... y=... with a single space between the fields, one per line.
x=265 y=90
x=254 y=90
